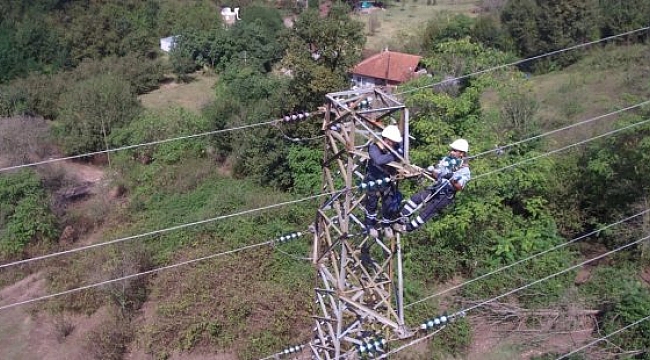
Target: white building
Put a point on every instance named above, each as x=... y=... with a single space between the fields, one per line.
x=167 y=43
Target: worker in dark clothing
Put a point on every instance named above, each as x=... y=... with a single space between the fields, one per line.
x=379 y=156
x=452 y=174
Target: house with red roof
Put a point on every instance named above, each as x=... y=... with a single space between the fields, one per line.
x=387 y=68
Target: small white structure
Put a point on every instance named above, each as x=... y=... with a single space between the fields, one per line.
x=230 y=16
x=167 y=43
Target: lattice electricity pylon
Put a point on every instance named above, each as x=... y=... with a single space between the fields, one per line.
x=360 y=291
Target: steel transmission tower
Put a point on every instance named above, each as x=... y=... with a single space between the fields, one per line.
x=360 y=285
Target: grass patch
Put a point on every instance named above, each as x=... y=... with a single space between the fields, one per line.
x=235 y=303
x=191 y=96
x=606 y=79
x=405 y=19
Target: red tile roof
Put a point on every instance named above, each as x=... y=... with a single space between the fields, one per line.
x=388 y=65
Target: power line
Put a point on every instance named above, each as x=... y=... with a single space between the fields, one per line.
x=4 y=307
x=252 y=210
x=604 y=337
x=156 y=142
x=526 y=60
x=474 y=307
x=155 y=232
x=291 y=202
x=500 y=148
x=528 y=258
x=281 y=239
x=622 y=247
x=219 y=218
x=564 y=148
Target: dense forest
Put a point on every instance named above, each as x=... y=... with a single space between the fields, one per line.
x=71 y=73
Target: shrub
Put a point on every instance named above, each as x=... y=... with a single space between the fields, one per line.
x=92 y=109
x=109 y=341
x=24 y=213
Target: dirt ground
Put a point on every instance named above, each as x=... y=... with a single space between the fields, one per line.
x=26 y=335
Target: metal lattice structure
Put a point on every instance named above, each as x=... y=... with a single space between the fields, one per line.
x=360 y=291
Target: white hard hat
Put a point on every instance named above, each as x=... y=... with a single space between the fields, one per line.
x=391 y=132
x=460 y=145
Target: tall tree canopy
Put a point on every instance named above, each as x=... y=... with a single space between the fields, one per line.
x=320 y=52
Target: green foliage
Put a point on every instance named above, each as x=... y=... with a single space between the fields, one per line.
x=489 y=31
x=462 y=56
x=317 y=58
x=92 y=109
x=251 y=44
x=41 y=94
x=142 y=73
x=615 y=172
x=25 y=215
x=305 y=164
x=201 y=15
x=152 y=126
x=249 y=85
x=633 y=306
x=609 y=284
x=268 y=17
x=445 y=28
x=518 y=111
x=29 y=45
x=264 y=158
x=620 y=16
x=538 y=26
x=454 y=340
x=99 y=29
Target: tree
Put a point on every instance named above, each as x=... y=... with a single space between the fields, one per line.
x=617 y=16
x=446 y=28
x=520 y=20
x=320 y=52
x=92 y=109
x=539 y=26
x=614 y=180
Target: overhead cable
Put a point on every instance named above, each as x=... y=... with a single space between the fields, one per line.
x=595 y=232
x=156 y=232
x=570 y=268
x=573 y=267
x=150 y=143
x=612 y=132
x=501 y=148
x=526 y=60
x=283 y=119
x=302 y=200
x=603 y=338
x=485 y=302
x=168 y=267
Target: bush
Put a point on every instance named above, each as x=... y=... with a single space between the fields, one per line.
x=109 y=341
x=634 y=305
x=24 y=213
x=92 y=109
x=173 y=122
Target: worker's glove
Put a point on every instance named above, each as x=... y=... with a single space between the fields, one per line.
x=431 y=169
